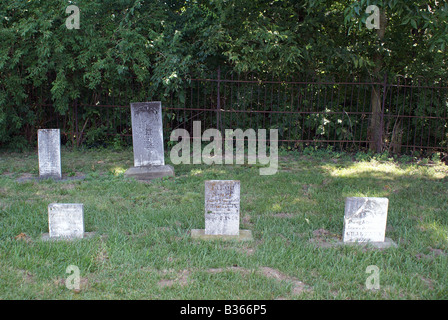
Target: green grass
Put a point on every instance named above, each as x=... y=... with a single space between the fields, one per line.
x=143 y=249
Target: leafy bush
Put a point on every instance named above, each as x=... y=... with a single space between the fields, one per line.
x=135 y=50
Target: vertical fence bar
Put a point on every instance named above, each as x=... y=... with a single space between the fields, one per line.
x=383 y=104
x=75 y=119
x=218 y=104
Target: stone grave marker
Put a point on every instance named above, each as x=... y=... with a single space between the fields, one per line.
x=222 y=207
x=222 y=212
x=365 y=221
x=147 y=140
x=66 y=221
x=49 y=153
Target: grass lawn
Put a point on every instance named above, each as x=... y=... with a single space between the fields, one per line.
x=143 y=248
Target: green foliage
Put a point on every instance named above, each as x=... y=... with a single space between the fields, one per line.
x=363 y=156
x=414 y=41
x=134 y=50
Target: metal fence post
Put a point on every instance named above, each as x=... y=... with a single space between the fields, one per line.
x=383 y=105
x=218 y=104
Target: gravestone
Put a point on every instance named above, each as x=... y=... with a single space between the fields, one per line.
x=222 y=207
x=49 y=153
x=222 y=212
x=66 y=221
x=147 y=140
x=365 y=221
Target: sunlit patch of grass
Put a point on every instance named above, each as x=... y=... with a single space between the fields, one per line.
x=116 y=171
x=195 y=172
x=437 y=231
x=276 y=207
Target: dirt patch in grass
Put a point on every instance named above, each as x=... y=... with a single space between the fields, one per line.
x=297 y=286
x=321 y=233
x=433 y=253
x=84 y=284
x=23 y=237
x=181 y=278
x=324 y=238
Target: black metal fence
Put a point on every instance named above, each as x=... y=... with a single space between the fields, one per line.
x=306 y=111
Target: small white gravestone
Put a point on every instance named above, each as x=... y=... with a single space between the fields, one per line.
x=222 y=212
x=222 y=207
x=365 y=219
x=147 y=141
x=49 y=153
x=66 y=220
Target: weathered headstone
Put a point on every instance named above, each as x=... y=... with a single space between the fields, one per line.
x=49 y=153
x=66 y=220
x=365 y=222
x=222 y=211
x=222 y=207
x=147 y=139
x=365 y=219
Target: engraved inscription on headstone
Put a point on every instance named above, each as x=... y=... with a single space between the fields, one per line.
x=147 y=133
x=222 y=207
x=49 y=153
x=66 y=220
x=365 y=219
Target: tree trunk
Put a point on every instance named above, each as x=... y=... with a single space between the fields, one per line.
x=375 y=130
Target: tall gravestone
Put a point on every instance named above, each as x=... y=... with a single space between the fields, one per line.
x=222 y=212
x=49 y=153
x=147 y=140
x=365 y=220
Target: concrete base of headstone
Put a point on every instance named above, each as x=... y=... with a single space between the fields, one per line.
x=56 y=179
x=86 y=235
x=387 y=243
x=45 y=177
x=150 y=172
x=244 y=235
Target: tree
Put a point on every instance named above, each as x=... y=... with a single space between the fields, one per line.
x=407 y=30
x=135 y=49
